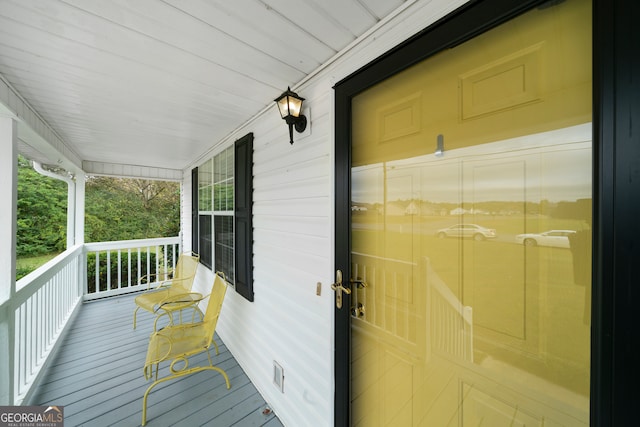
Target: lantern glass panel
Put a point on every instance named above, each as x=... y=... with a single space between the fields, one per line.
x=295 y=105
x=283 y=106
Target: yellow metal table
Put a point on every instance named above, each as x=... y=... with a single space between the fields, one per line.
x=177 y=303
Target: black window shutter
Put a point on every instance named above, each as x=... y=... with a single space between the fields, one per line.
x=194 y=210
x=243 y=226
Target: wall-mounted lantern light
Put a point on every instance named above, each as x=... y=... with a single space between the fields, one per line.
x=290 y=106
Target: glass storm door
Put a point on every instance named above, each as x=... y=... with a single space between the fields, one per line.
x=465 y=310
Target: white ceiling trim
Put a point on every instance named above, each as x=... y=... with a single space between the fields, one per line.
x=34 y=132
x=131 y=171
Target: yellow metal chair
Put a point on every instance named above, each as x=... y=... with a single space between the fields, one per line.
x=176 y=343
x=172 y=294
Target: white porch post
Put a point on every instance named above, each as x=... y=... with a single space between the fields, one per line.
x=79 y=229
x=79 y=209
x=8 y=195
x=71 y=214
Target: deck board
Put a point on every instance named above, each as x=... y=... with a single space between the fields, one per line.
x=97 y=376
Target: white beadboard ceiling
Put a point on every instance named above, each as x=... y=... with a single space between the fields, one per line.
x=156 y=82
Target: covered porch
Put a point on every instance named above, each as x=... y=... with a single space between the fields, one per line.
x=71 y=343
x=161 y=90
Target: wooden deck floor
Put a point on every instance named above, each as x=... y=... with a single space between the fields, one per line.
x=97 y=376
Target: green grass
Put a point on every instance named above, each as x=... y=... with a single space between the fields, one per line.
x=26 y=265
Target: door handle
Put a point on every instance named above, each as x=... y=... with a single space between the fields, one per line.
x=339 y=289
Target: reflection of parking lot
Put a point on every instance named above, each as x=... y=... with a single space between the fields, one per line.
x=431 y=228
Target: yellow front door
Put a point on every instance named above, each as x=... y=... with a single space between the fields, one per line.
x=471 y=232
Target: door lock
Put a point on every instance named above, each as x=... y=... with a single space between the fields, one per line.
x=339 y=289
x=357 y=311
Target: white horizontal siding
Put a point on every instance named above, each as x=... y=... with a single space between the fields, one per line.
x=294 y=240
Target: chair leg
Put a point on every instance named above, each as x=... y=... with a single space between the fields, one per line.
x=165 y=313
x=134 y=316
x=146 y=395
x=177 y=375
x=196 y=310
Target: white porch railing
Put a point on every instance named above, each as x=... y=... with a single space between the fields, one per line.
x=115 y=268
x=451 y=321
x=33 y=320
x=36 y=315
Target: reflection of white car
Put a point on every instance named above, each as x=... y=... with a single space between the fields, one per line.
x=555 y=238
x=467 y=230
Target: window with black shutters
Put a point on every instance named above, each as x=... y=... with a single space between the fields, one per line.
x=244 y=216
x=224 y=231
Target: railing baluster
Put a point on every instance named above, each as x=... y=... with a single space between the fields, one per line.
x=148 y=259
x=129 y=266
x=40 y=342
x=22 y=351
x=119 y=268
x=97 y=289
x=49 y=323
x=139 y=266
x=29 y=337
x=173 y=263
x=157 y=261
x=108 y=270
x=165 y=257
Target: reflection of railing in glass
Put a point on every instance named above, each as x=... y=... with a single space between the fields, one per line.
x=391 y=302
x=451 y=322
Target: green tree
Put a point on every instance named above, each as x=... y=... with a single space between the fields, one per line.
x=41 y=212
x=125 y=209
x=115 y=209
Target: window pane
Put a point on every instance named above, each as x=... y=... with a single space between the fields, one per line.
x=223 y=204
x=224 y=245
x=223 y=181
x=204 y=186
x=223 y=196
x=205 y=239
x=216 y=185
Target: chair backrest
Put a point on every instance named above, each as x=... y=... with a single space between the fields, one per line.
x=185 y=270
x=214 y=306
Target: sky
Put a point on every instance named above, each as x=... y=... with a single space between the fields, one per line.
x=554 y=166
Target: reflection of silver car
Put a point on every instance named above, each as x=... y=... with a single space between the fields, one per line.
x=555 y=238
x=467 y=230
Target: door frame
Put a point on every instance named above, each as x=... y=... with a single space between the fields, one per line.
x=614 y=376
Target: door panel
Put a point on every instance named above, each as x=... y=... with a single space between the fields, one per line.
x=488 y=275
x=454 y=319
